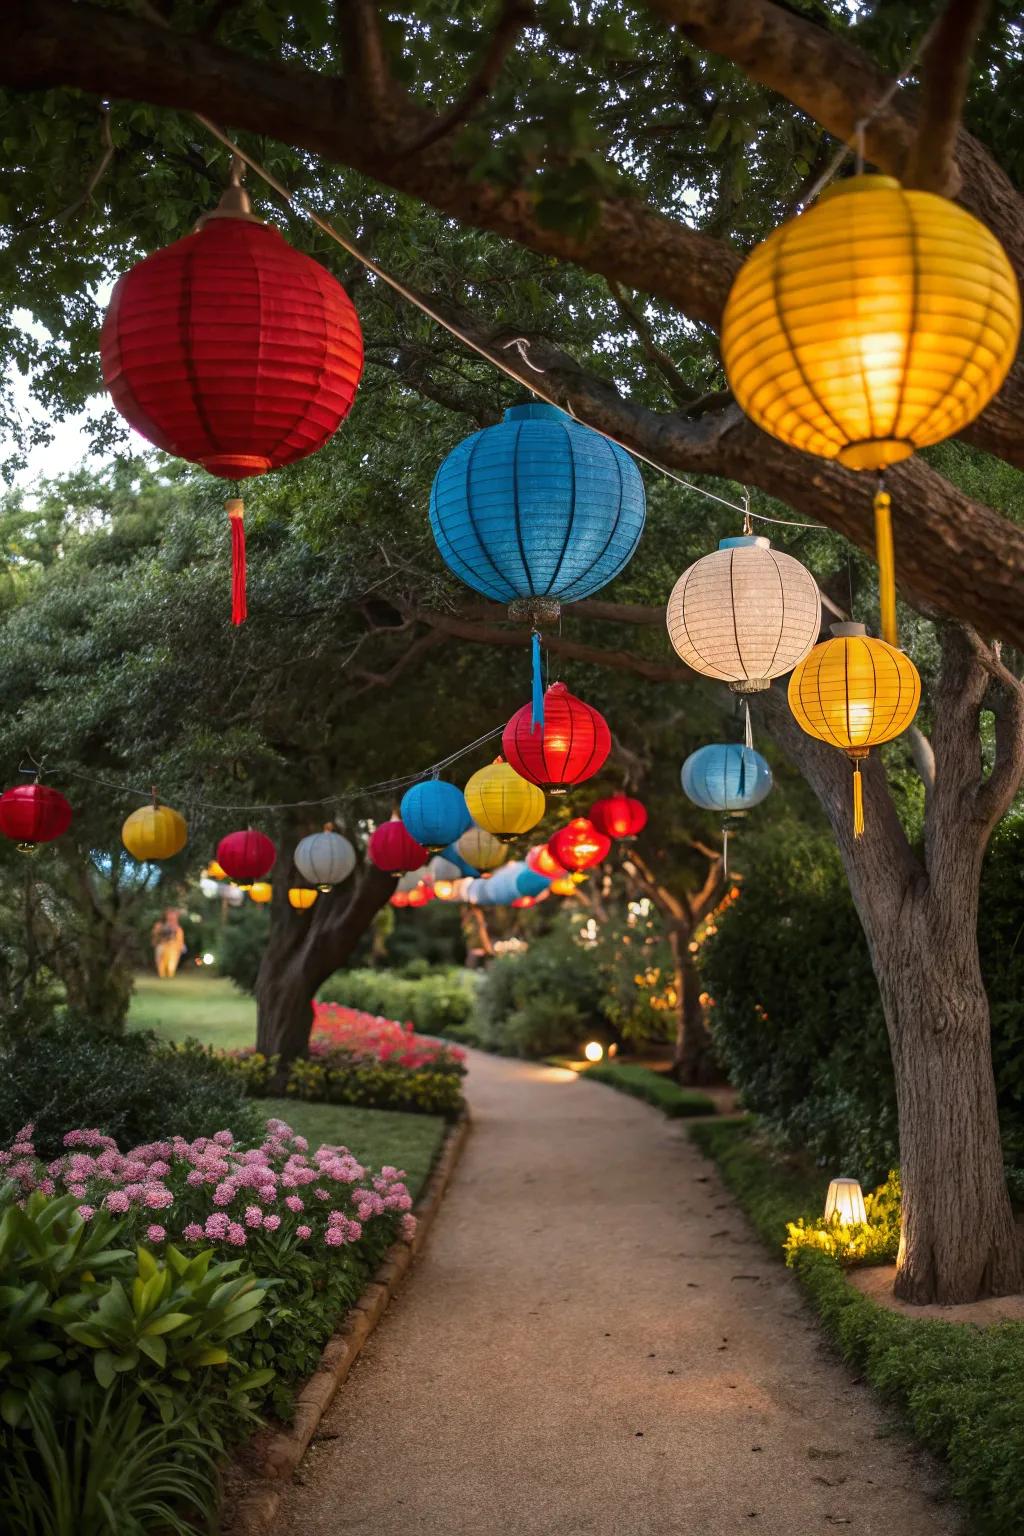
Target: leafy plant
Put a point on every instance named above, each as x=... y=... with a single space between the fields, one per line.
x=438 y=1002
x=655 y=1088
x=336 y=1079
x=875 y=1240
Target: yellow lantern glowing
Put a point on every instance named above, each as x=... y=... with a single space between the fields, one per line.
x=502 y=802
x=214 y=871
x=854 y=692
x=563 y=885
x=260 y=891
x=881 y=320
x=481 y=849
x=844 y=1202
x=301 y=897
x=154 y=832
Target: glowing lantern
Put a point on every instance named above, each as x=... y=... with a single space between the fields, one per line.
x=261 y=891
x=154 y=832
x=414 y=877
x=393 y=850
x=233 y=350
x=460 y=891
x=618 y=816
x=444 y=874
x=481 y=849
x=502 y=802
x=420 y=896
x=540 y=859
x=215 y=872
x=844 y=1202
x=563 y=885
x=855 y=692
x=593 y=1050
x=325 y=859
x=728 y=778
x=879 y=321
x=569 y=747
x=435 y=813
x=579 y=845
x=301 y=897
x=399 y=899
x=744 y=614
x=31 y=814
x=246 y=856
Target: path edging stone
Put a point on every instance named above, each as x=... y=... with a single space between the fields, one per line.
x=254 y=1513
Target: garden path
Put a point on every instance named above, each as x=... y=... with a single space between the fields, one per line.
x=594 y=1344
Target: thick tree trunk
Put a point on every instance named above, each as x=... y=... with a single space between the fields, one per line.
x=692 y=1059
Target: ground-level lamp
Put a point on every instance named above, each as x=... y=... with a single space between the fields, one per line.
x=593 y=1050
x=844 y=1203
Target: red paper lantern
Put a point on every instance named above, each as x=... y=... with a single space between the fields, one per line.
x=393 y=850
x=579 y=845
x=246 y=856
x=31 y=814
x=618 y=816
x=541 y=860
x=234 y=350
x=569 y=747
x=400 y=899
x=420 y=895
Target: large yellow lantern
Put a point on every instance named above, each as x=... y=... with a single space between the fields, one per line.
x=502 y=802
x=261 y=891
x=154 y=832
x=881 y=320
x=301 y=897
x=481 y=849
x=854 y=692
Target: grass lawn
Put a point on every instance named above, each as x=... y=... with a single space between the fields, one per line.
x=211 y=1009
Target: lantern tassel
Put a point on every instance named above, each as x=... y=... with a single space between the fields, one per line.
x=725 y=850
x=748 y=734
x=236 y=515
x=537 y=713
x=886 y=567
x=858 y=802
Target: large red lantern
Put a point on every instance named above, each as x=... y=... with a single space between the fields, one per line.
x=400 y=899
x=569 y=747
x=31 y=814
x=393 y=850
x=618 y=816
x=246 y=856
x=234 y=350
x=541 y=860
x=579 y=845
x=420 y=895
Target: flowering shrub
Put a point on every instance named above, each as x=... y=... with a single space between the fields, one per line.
x=368 y=1036
x=874 y=1241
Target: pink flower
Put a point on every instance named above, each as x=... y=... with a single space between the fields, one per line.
x=78 y=1190
x=334 y=1237
x=322 y=1194
x=155 y=1233
x=253 y=1216
x=87 y=1212
x=271 y=1223
x=236 y=1235
x=117 y=1201
x=193 y=1232
x=217 y=1225
x=408 y=1228
x=294 y=1203
x=304 y=1233
x=223 y=1138
x=46 y=1186
x=157 y=1197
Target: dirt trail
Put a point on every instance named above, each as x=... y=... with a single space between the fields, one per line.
x=594 y=1344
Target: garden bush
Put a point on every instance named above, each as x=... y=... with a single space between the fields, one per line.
x=655 y=1088
x=439 y=1002
x=241 y=944
x=132 y=1087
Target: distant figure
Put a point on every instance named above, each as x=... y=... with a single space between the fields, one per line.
x=168 y=942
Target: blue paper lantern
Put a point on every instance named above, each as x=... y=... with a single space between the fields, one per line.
x=726 y=777
x=537 y=507
x=530 y=883
x=435 y=813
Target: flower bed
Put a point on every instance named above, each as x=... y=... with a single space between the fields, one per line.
x=367 y=1036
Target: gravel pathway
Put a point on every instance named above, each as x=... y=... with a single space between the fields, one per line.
x=594 y=1344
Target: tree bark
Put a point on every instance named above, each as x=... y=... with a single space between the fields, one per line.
x=693 y=1056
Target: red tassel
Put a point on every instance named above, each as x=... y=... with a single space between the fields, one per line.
x=236 y=513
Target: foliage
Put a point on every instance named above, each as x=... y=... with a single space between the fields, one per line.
x=655 y=1088
x=959 y=1389
x=369 y=1036
x=133 y=1088
x=875 y=1240
x=438 y=1003
x=382 y=1136
x=241 y=944
x=335 y=1078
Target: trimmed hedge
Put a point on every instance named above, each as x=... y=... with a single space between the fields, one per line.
x=439 y=1003
x=655 y=1088
x=959 y=1389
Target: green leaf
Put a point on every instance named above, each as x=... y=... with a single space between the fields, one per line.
x=167 y=1323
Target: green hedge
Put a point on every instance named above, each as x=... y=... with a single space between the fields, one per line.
x=440 y=1003
x=655 y=1088
x=960 y=1389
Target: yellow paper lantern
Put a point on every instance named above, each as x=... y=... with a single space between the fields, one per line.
x=260 y=891
x=301 y=897
x=154 y=832
x=502 y=802
x=563 y=885
x=481 y=849
x=854 y=692
x=215 y=871
x=881 y=320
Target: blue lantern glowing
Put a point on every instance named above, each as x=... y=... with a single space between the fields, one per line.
x=729 y=778
x=435 y=813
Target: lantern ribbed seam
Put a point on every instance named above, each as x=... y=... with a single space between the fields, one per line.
x=185 y=344
x=530 y=587
x=553 y=583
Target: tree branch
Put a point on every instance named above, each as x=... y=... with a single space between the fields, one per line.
x=681 y=392
x=946 y=70
x=513 y=19
x=367 y=71
x=618 y=661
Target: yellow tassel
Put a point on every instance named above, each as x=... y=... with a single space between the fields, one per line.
x=886 y=567
x=858 y=802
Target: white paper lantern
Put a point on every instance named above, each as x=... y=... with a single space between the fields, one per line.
x=744 y=614
x=845 y=1202
x=325 y=859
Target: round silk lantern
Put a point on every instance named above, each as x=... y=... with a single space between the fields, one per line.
x=325 y=859
x=540 y=859
x=619 y=816
x=855 y=692
x=570 y=745
x=31 y=814
x=744 y=614
x=419 y=896
x=261 y=892
x=563 y=885
x=399 y=899
x=503 y=802
x=435 y=813
x=214 y=871
x=881 y=320
x=414 y=877
x=246 y=856
x=301 y=897
x=233 y=350
x=444 y=873
x=579 y=845
x=481 y=849
x=729 y=778
x=529 y=883
x=154 y=832
x=393 y=850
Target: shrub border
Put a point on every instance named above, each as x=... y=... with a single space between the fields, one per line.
x=270 y=1461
